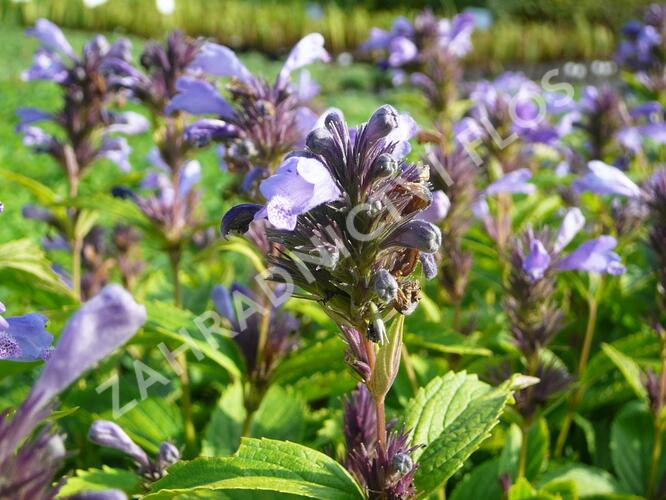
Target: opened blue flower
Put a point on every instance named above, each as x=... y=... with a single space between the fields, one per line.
x=606 y=179
x=24 y=338
x=595 y=255
x=299 y=184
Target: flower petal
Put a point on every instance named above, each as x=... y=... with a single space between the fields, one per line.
x=219 y=60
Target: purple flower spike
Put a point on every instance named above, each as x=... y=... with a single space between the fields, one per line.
x=51 y=37
x=537 y=261
x=308 y=50
x=219 y=60
x=573 y=222
x=605 y=179
x=198 y=97
x=513 y=182
x=594 y=256
x=111 y=435
x=298 y=185
x=25 y=338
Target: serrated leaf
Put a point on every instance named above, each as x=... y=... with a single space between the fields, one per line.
x=437 y=405
x=105 y=478
x=452 y=416
x=283 y=468
x=281 y=415
x=629 y=368
x=226 y=424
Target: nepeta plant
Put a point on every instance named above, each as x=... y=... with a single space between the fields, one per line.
x=87 y=126
x=344 y=216
x=24 y=338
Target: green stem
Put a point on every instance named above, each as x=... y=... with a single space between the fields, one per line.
x=186 y=394
x=580 y=372
x=658 y=428
x=77 y=246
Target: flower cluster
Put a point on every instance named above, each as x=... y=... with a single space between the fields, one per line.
x=344 y=210
x=263 y=121
x=430 y=49
x=611 y=128
x=385 y=472
x=642 y=48
x=87 y=124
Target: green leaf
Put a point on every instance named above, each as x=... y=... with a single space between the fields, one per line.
x=388 y=360
x=283 y=468
x=85 y=222
x=632 y=435
x=27 y=258
x=226 y=424
x=281 y=415
x=97 y=480
x=590 y=481
x=521 y=490
x=452 y=416
x=629 y=368
x=42 y=193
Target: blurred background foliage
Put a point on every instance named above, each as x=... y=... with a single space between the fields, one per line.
x=518 y=32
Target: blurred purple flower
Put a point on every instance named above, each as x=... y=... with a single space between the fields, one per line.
x=438 y=209
x=24 y=338
x=606 y=179
x=594 y=256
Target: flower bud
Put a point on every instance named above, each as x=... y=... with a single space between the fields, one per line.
x=381 y=123
x=55 y=448
x=319 y=141
x=385 y=285
x=238 y=218
x=110 y=435
x=384 y=166
x=402 y=464
x=429 y=265
x=376 y=329
x=418 y=234
x=168 y=455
